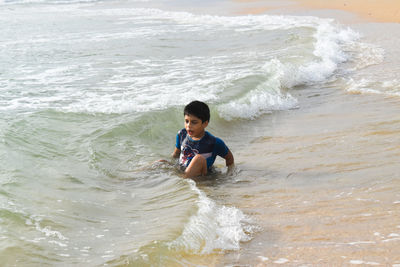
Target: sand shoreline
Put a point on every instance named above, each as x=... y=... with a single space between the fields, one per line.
x=331 y=165
x=369 y=10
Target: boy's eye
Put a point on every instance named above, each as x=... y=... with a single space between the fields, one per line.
x=192 y=122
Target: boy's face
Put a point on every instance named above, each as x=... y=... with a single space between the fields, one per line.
x=195 y=127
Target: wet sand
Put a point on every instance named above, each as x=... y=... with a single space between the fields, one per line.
x=371 y=10
x=323 y=181
x=379 y=11
x=331 y=196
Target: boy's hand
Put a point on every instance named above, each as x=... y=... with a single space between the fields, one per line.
x=176 y=153
x=231 y=170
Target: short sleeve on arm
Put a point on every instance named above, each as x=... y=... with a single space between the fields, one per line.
x=178 y=141
x=220 y=148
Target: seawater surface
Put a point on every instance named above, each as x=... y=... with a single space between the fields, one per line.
x=91 y=95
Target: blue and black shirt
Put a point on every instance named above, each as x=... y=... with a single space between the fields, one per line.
x=208 y=146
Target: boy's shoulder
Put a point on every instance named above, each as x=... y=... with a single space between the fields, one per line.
x=216 y=141
x=213 y=137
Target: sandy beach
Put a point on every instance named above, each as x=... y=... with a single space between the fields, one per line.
x=377 y=11
x=349 y=143
x=380 y=11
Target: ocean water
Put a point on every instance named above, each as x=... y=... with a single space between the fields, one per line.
x=92 y=93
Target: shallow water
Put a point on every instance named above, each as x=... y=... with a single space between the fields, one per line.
x=92 y=94
x=331 y=195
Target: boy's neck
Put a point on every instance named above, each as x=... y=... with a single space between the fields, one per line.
x=197 y=138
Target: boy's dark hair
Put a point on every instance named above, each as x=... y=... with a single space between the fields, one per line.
x=198 y=109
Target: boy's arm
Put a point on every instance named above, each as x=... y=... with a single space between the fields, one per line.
x=229 y=160
x=176 y=153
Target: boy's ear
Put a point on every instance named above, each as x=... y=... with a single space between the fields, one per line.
x=205 y=123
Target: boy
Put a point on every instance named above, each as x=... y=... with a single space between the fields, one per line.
x=195 y=147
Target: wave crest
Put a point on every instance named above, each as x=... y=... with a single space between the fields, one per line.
x=213 y=227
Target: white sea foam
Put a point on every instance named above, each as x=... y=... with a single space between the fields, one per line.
x=329 y=45
x=267 y=97
x=213 y=227
x=367 y=86
x=328 y=48
x=361 y=262
x=49 y=232
x=364 y=54
x=281 y=261
x=173 y=73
